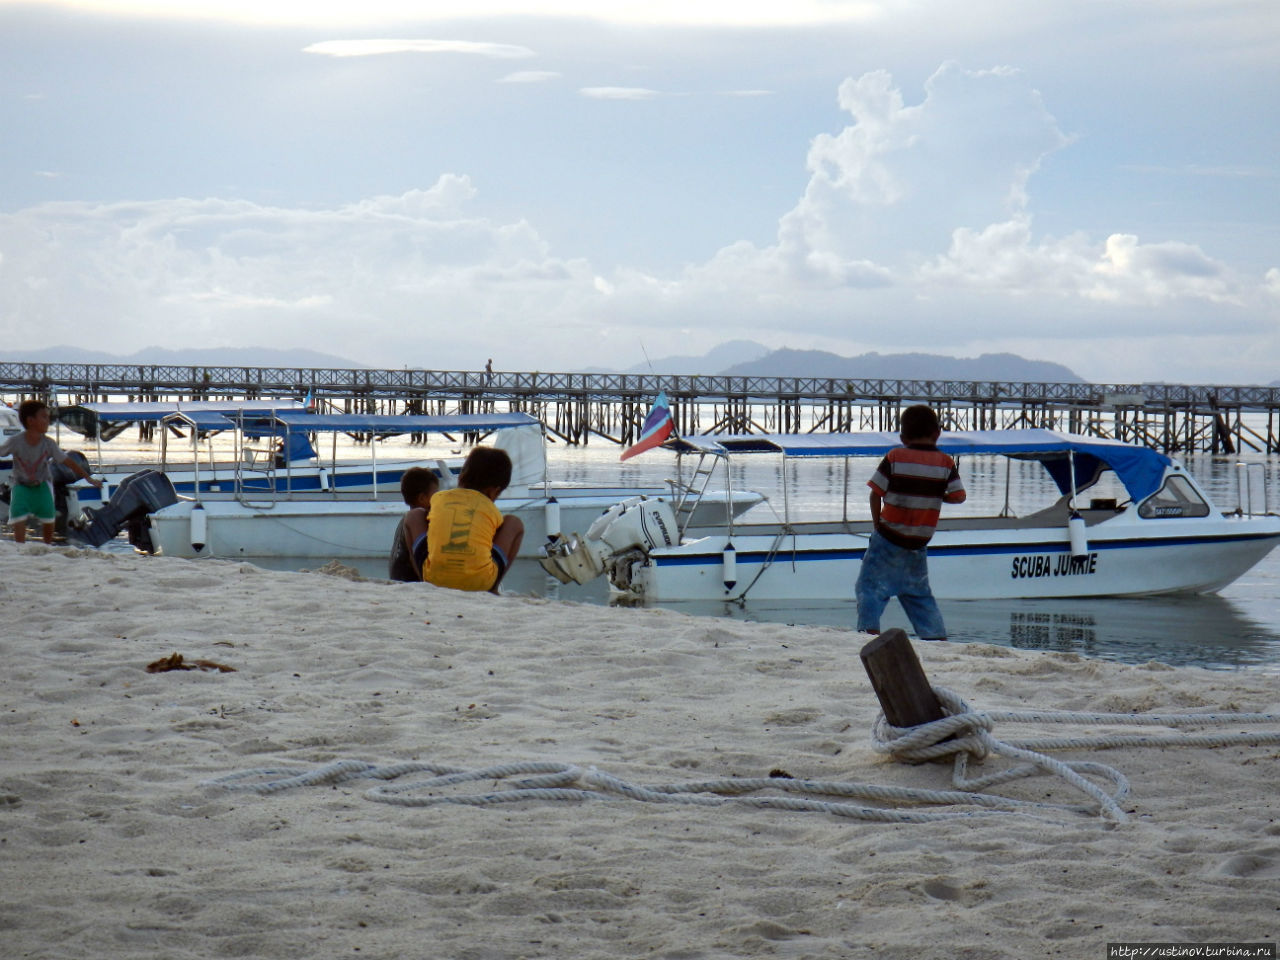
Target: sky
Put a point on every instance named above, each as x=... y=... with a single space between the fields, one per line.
x=580 y=183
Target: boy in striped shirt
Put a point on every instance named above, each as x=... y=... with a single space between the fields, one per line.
x=907 y=493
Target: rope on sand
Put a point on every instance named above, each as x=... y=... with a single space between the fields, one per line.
x=964 y=733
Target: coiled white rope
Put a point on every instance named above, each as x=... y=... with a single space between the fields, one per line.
x=964 y=733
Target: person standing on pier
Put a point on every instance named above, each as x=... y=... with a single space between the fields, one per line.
x=907 y=492
x=34 y=454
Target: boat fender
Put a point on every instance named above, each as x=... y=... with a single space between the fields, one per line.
x=730 y=566
x=1075 y=531
x=552 y=511
x=199 y=528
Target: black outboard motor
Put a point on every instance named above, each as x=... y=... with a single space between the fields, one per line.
x=137 y=495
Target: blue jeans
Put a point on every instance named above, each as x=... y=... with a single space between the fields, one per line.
x=888 y=571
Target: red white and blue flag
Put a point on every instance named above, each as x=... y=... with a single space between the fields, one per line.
x=658 y=425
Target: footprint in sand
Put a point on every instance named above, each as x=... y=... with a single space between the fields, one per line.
x=1264 y=865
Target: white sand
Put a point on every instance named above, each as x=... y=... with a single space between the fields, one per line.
x=111 y=848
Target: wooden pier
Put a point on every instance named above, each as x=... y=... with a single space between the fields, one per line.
x=579 y=406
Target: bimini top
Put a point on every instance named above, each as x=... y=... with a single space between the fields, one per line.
x=109 y=419
x=1140 y=469
x=280 y=422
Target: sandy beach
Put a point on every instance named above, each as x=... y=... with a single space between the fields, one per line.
x=113 y=844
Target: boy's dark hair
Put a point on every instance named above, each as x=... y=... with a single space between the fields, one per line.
x=486 y=467
x=416 y=481
x=29 y=408
x=919 y=423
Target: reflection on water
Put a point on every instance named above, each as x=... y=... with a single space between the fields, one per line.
x=1204 y=631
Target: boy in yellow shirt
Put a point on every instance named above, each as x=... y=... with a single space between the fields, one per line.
x=470 y=544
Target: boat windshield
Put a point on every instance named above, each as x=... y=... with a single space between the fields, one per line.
x=1176 y=498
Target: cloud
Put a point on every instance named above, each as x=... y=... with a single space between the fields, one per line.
x=914 y=228
x=888 y=190
x=529 y=76
x=371 y=48
x=389 y=279
x=618 y=93
x=747 y=13
x=922 y=212
x=1271 y=283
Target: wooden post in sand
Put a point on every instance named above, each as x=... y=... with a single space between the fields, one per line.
x=899 y=680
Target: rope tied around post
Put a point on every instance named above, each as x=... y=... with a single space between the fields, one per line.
x=920 y=723
x=966 y=734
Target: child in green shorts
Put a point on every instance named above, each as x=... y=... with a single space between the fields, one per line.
x=33 y=454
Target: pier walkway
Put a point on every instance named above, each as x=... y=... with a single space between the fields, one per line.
x=578 y=406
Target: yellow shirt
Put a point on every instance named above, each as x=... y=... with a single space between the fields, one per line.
x=460 y=540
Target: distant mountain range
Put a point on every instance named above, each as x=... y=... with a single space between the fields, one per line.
x=904 y=366
x=716 y=360
x=210 y=357
x=749 y=359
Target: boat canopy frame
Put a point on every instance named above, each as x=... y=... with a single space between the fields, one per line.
x=286 y=423
x=1075 y=462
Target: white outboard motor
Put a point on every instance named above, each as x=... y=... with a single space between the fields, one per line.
x=637 y=523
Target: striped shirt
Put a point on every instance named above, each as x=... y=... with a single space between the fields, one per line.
x=914 y=481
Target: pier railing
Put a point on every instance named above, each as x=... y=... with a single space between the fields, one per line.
x=1222 y=417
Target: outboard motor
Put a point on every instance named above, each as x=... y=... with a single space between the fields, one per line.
x=637 y=523
x=136 y=496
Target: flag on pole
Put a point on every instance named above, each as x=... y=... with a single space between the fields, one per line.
x=658 y=425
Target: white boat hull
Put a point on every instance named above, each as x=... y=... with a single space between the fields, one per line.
x=298 y=479
x=323 y=528
x=1123 y=559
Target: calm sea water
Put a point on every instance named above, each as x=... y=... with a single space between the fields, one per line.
x=1238 y=628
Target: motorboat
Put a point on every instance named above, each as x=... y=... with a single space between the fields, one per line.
x=295 y=518
x=200 y=466
x=1160 y=533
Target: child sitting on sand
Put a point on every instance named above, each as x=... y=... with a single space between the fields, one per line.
x=409 y=548
x=470 y=544
x=33 y=455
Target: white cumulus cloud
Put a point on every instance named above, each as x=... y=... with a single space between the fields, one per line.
x=373 y=48
x=619 y=93
x=529 y=76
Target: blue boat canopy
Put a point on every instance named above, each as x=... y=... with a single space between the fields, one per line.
x=1140 y=469
x=110 y=418
x=281 y=422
